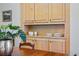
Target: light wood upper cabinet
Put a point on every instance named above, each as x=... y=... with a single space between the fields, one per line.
x=28 y=11
x=41 y=44
x=56 y=11
x=41 y=11
x=57 y=46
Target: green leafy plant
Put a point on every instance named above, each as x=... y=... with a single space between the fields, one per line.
x=10 y=32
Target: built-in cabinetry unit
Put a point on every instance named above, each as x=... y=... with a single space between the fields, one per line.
x=47 y=26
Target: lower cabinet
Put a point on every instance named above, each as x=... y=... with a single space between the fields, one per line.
x=41 y=45
x=51 y=45
x=57 y=46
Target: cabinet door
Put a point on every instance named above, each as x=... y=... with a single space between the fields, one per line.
x=41 y=45
x=57 y=46
x=41 y=12
x=28 y=11
x=56 y=11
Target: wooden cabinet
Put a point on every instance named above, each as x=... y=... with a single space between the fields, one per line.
x=41 y=12
x=56 y=11
x=41 y=44
x=57 y=46
x=42 y=16
x=28 y=11
x=47 y=44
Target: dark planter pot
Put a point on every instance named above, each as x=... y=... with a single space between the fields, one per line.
x=6 y=47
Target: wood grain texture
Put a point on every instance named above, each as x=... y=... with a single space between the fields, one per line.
x=57 y=46
x=67 y=28
x=41 y=11
x=30 y=52
x=28 y=11
x=41 y=44
x=56 y=11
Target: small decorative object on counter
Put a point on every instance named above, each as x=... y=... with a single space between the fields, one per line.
x=35 y=33
x=30 y=33
x=49 y=34
x=58 y=35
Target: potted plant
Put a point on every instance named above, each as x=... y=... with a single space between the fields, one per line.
x=7 y=36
